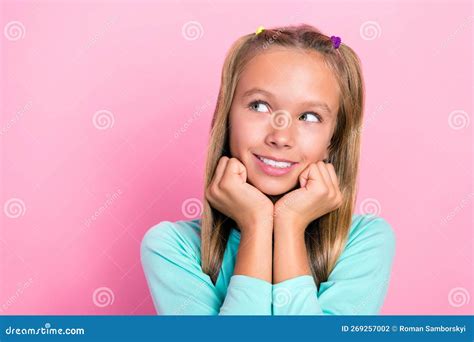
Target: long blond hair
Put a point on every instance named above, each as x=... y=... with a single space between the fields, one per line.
x=325 y=237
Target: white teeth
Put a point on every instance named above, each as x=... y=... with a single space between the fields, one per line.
x=274 y=163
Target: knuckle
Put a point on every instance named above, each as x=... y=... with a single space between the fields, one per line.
x=224 y=185
x=233 y=161
x=221 y=161
x=324 y=191
x=210 y=192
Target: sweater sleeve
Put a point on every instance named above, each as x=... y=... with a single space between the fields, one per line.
x=356 y=286
x=179 y=287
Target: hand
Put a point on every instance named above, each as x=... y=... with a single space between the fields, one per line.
x=318 y=195
x=230 y=193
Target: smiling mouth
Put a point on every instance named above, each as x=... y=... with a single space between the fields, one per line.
x=276 y=163
x=272 y=167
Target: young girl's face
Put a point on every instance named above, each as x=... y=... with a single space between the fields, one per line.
x=284 y=108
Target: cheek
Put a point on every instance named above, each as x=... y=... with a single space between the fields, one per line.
x=313 y=146
x=245 y=132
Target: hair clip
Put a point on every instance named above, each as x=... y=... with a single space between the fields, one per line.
x=336 y=41
x=259 y=30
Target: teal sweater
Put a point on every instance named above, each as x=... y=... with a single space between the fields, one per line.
x=171 y=259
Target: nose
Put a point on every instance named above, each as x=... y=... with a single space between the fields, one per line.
x=281 y=134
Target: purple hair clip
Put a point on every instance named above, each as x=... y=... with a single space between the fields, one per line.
x=336 y=41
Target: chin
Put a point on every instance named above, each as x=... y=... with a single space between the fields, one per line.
x=273 y=187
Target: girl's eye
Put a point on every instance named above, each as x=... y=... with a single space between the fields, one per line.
x=259 y=106
x=313 y=117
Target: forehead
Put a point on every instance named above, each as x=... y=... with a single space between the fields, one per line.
x=291 y=74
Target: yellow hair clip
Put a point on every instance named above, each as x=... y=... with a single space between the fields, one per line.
x=259 y=30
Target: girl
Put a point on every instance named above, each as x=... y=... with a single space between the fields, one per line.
x=277 y=234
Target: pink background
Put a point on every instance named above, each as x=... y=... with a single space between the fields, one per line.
x=80 y=186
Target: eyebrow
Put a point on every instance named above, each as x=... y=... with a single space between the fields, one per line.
x=319 y=104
